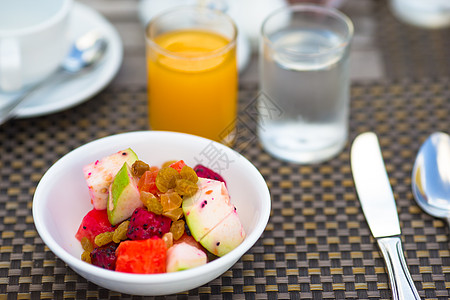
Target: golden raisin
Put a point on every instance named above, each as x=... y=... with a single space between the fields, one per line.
x=189 y=174
x=139 y=167
x=166 y=179
x=86 y=256
x=168 y=239
x=168 y=163
x=151 y=202
x=174 y=214
x=104 y=238
x=120 y=233
x=185 y=187
x=170 y=200
x=177 y=229
x=86 y=244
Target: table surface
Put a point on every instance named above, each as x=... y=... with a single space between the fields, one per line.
x=317 y=244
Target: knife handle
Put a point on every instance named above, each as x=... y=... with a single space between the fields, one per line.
x=402 y=284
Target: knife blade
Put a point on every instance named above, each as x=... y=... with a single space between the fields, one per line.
x=379 y=208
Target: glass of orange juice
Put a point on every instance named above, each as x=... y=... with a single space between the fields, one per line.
x=192 y=73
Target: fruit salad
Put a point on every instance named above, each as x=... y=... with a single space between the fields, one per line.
x=150 y=219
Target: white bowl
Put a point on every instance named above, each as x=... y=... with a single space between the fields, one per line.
x=62 y=199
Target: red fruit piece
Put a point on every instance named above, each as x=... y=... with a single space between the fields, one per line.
x=145 y=224
x=147 y=182
x=178 y=165
x=143 y=257
x=94 y=223
x=205 y=172
x=105 y=256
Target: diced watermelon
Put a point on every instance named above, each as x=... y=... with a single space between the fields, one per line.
x=178 y=165
x=142 y=256
x=147 y=182
x=94 y=223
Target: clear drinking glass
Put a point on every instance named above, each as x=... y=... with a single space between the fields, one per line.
x=192 y=72
x=304 y=81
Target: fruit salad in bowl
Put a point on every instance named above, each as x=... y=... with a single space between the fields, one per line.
x=151 y=212
x=150 y=220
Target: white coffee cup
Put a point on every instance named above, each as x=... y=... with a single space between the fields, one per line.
x=431 y=14
x=34 y=39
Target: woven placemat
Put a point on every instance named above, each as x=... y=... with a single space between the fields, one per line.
x=317 y=244
x=410 y=51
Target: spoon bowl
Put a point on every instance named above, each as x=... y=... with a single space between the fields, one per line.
x=86 y=51
x=431 y=176
x=85 y=54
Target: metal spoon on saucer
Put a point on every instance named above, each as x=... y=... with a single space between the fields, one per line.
x=85 y=54
x=431 y=176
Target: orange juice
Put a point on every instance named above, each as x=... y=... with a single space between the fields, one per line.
x=192 y=83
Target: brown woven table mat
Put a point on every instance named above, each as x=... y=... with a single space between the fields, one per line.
x=317 y=244
x=409 y=51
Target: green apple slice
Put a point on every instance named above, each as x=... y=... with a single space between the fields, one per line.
x=124 y=196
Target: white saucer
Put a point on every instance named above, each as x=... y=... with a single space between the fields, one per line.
x=68 y=94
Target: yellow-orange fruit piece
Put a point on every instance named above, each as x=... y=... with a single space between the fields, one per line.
x=151 y=202
x=177 y=229
x=168 y=239
x=104 y=238
x=189 y=174
x=168 y=163
x=174 y=214
x=86 y=256
x=170 y=200
x=139 y=167
x=185 y=187
x=120 y=233
x=166 y=179
x=86 y=244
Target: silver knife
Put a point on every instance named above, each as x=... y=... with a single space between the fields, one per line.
x=378 y=204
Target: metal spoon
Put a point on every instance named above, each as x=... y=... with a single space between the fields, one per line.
x=431 y=176
x=85 y=53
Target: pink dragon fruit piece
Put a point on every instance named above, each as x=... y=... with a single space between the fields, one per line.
x=206 y=172
x=145 y=224
x=105 y=256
